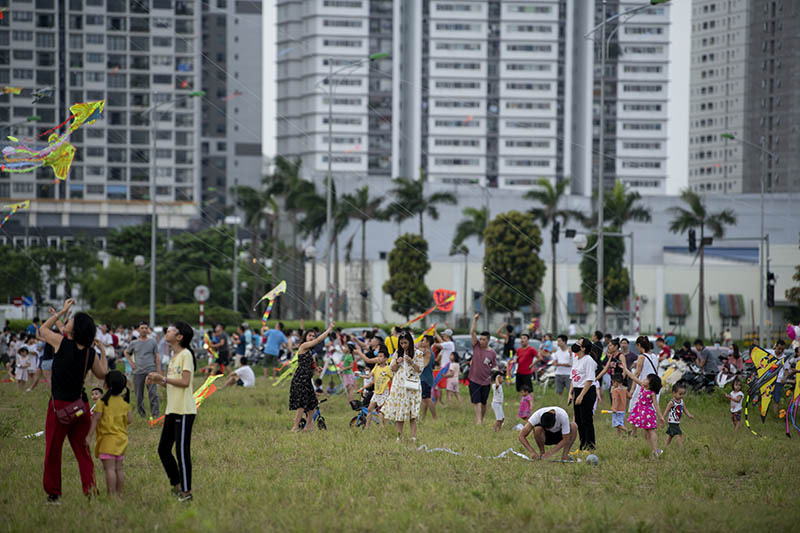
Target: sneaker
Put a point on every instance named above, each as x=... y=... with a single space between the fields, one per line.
x=185 y=497
x=176 y=491
x=53 y=499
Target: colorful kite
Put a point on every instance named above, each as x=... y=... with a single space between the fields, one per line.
x=444 y=304
x=2 y=12
x=12 y=90
x=207 y=345
x=760 y=386
x=234 y=94
x=14 y=208
x=46 y=92
x=58 y=153
x=204 y=391
x=279 y=289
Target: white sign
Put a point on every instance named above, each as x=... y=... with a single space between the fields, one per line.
x=201 y=293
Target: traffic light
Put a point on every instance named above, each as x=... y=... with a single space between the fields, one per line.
x=771 y=289
x=556 y=229
x=692 y=241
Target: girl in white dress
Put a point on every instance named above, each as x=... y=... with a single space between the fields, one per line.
x=405 y=397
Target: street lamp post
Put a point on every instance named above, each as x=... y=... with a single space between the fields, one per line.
x=761 y=262
x=604 y=45
x=153 y=223
x=329 y=192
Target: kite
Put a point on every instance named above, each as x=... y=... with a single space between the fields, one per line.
x=14 y=208
x=760 y=386
x=444 y=305
x=207 y=345
x=203 y=391
x=12 y=90
x=47 y=92
x=2 y=10
x=279 y=289
x=58 y=153
x=429 y=331
x=234 y=94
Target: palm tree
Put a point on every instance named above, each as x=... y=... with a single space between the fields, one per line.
x=256 y=206
x=296 y=192
x=361 y=207
x=410 y=200
x=620 y=207
x=549 y=213
x=472 y=226
x=698 y=216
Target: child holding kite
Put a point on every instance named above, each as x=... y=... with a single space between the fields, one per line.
x=302 y=399
x=645 y=413
x=110 y=418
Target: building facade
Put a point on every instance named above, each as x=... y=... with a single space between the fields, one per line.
x=478 y=92
x=743 y=83
x=230 y=145
x=134 y=55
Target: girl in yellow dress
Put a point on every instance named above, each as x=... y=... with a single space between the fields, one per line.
x=110 y=419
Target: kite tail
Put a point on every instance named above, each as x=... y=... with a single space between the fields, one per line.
x=747 y=417
x=267 y=312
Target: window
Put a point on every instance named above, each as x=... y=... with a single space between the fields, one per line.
x=528 y=105
x=116 y=192
x=458 y=46
x=530 y=9
x=95 y=76
x=527 y=124
x=346 y=43
x=165 y=42
x=22 y=73
x=643 y=88
x=529 y=67
x=342 y=159
x=647 y=69
x=526 y=163
x=457 y=104
x=641 y=145
x=474 y=143
x=642 y=164
x=529 y=28
x=512 y=47
x=518 y=143
x=458 y=26
x=643 y=50
x=24 y=188
x=457 y=65
x=348 y=4
x=455 y=7
x=341 y=23
x=343 y=121
x=94 y=20
x=641 y=126
x=21 y=16
x=18 y=35
x=456 y=161
x=641 y=107
x=519 y=86
x=458 y=85
x=94 y=38
x=75 y=41
x=95 y=57
x=644 y=30
x=455 y=123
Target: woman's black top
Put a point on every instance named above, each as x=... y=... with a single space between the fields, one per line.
x=68 y=370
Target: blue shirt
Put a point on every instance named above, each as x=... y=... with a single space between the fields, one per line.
x=275 y=338
x=31 y=329
x=248 y=337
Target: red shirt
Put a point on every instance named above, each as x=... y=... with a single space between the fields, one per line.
x=665 y=353
x=524 y=359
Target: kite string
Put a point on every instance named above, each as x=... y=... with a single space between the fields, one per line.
x=57 y=127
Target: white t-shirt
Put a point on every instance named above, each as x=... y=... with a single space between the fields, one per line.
x=563 y=357
x=583 y=370
x=448 y=347
x=562 y=420
x=736 y=402
x=247 y=376
x=571 y=330
x=497 y=393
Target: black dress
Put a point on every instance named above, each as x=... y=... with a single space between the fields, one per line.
x=301 y=392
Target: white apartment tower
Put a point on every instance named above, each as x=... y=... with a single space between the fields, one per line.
x=492 y=93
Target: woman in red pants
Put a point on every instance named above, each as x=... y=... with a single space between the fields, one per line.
x=74 y=356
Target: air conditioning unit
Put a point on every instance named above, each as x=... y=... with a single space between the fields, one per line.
x=712 y=300
x=643 y=298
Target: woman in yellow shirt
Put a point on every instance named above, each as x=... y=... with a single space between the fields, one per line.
x=110 y=418
x=181 y=410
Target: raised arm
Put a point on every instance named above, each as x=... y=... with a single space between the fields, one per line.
x=368 y=360
x=46 y=332
x=304 y=347
x=472 y=329
x=632 y=376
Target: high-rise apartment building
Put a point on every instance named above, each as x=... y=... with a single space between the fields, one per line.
x=134 y=54
x=744 y=61
x=231 y=110
x=496 y=93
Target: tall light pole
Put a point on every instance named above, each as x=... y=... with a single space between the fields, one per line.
x=604 y=45
x=761 y=259
x=153 y=224
x=329 y=192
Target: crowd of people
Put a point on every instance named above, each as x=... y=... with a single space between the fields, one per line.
x=404 y=379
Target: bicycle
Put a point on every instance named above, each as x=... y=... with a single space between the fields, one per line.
x=360 y=420
x=318 y=418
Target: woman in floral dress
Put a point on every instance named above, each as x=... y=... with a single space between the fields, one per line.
x=302 y=398
x=404 y=402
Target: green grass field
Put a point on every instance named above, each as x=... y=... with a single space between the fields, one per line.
x=252 y=474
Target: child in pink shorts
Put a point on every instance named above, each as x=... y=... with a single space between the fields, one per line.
x=110 y=419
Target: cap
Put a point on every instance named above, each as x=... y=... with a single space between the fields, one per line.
x=448 y=332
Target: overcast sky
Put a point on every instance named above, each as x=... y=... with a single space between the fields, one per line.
x=677 y=109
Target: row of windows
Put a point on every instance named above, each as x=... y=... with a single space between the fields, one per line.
x=116 y=43
x=458 y=65
x=456 y=7
x=638 y=88
x=456 y=161
x=526 y=163
x=519 y=143
x=341 y=23
x=641 y=126
x=529 y=67
x=641 y=107
x=647 y=69
x=458 y=85
x=457 y=104
x=641 y=146
x=457 y=142
x=458 y=46
x=644 y=30
x=528 y=105
x=343 y=43
x=516 y=47
x=642 y=164
x=349 y=4
x=349 y=159
x=640 y=49
x=529 y=28
x=455 y=123
x=343 y=140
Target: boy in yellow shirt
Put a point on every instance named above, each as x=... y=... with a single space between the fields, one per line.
x=382 y=375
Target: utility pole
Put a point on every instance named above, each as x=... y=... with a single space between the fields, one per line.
x=235 y=245
x=601 y=319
